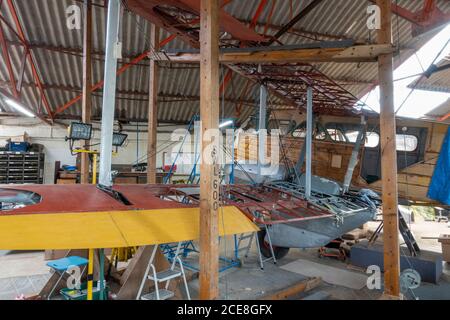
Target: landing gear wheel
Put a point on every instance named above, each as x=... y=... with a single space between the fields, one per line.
x=264 y=246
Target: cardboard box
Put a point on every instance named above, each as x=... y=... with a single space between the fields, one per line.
x=22 y=138
x=444 y=239
x=66 y=181
x=67 y=175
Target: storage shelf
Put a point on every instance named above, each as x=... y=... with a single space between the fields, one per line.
x=21 y=167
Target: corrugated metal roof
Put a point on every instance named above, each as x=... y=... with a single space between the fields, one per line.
x=439 y=112
x=438 y=81
x=44 y=24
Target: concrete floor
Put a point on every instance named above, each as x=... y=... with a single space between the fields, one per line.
x=26 y=273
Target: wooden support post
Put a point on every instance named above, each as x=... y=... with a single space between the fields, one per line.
x=87 y=84
x=209 y=175
x=388 y=157
x=152 y=109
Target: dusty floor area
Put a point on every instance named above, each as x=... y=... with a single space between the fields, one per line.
x=25 y=273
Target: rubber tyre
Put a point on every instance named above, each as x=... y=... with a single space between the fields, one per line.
x=280 y=252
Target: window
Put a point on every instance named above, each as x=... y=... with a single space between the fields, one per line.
x=321 y=135
x=372 y=138
x=352 y=135
x=336 y=135
x=299 y=133
x=406 y=142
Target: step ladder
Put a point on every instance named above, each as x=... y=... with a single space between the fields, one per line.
x=164 y=276
x=246 y=249
x=262 y=260
x=406 y=233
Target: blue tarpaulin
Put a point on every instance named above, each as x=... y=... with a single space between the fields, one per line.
x=440 y=183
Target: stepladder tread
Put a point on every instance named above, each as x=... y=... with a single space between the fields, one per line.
x=163 y=295
x=165 y=275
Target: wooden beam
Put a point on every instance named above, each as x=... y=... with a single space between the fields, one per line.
x=86 y=109
x=302 y=286
x=209 y=169
x=20 y=33
x=388 y=156
x=360 y=53
x=152 y=109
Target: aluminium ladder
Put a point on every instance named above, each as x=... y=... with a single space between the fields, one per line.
x=254 y=236
x=406 y=233
x=161 y=277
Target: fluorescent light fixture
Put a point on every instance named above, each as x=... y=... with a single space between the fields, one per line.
x=226 y=123
x=20 y=108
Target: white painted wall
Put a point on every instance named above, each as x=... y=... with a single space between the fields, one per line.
x=57 y=149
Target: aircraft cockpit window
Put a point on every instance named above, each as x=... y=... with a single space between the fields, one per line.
x=406 y=142
x=321 y=136
x=372 y=140
x=336 y=135
x=351 y=136
x=299 y=133
x=11 y=199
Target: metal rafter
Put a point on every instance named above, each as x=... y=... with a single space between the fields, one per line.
x=7 y=58
x=330 y=94
x=121 y=70
x=426 y=19
x=34 y=69
x=294 y=20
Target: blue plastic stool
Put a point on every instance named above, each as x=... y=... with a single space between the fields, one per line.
x=61 y=266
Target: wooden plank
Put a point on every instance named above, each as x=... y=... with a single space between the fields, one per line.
x=388 y=156
x=302 y=286
x=361 y=53
x=152 y=109
x=209 y=169
x=323 y=152
x=87 y=83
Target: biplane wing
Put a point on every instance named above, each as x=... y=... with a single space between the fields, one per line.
x=82 y=217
